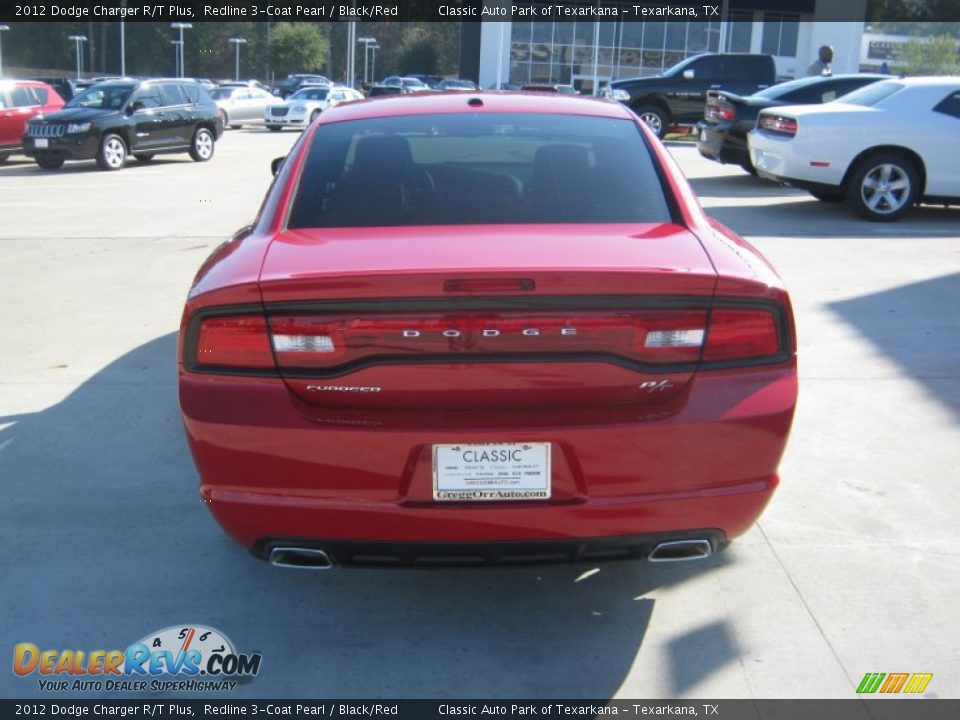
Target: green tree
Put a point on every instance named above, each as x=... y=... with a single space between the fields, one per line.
x=297 y=47
x=418 y=56
x=937 y=56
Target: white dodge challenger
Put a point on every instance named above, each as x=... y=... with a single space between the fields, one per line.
x=882 y=149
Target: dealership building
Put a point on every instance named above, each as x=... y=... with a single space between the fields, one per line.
x=587 y=52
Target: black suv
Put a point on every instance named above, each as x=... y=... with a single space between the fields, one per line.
x=678 y=95
x=113 y=120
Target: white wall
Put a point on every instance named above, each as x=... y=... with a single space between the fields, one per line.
x=494 y=43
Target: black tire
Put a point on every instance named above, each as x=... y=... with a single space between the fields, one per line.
x=112 y=154
x=274 y=128
x=655 y=118
x=828 y=197
x=235 y=126
x=49 y=162
x=4 y=157
x=202 y=145
x=748 y=167
x=882 y=187
x=143 y=157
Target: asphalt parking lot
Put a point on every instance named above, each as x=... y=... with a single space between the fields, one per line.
x=854 y=567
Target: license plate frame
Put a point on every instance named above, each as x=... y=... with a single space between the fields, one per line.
x=492 y=472
x=41 y=143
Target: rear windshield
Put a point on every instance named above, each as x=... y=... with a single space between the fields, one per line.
x=484 y=168
x=872 y=94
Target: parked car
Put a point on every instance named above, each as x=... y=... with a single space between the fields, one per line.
x=728 y=117
x=548 y=87
x=576 y=364
x=21 y=100
x=245 y=83
x=63 y=85
x=456 y=85
x=382 y=90
x=406 y=84
x=113 y=120
x=431 y=81
x=882 y=148
x=305 y=105
x=241 y=104
x=295 y=81
x=677 y=96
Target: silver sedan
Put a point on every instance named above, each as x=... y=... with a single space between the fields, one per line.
x=241 y=105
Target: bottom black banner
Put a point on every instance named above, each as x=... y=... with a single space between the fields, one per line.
x=853 y=709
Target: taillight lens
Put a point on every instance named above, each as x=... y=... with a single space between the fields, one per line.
x=323 y=341
x=737 y=334
x=717 y=111
x=778 y=124
x=236 y=342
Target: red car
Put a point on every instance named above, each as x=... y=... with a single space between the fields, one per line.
x=485 y=328
x=21 y=100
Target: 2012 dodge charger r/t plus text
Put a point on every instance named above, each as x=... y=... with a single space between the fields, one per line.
x=485 y=328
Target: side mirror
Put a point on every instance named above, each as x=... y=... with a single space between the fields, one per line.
x=276 y=164
x=689 y=74
x=134 y=106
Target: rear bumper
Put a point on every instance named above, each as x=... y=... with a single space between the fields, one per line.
x=723 y=147
x=271 y=470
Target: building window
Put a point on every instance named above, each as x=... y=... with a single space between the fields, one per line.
x=780 y=34
x=739 y=31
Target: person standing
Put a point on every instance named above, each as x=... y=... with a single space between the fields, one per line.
x=823 y=65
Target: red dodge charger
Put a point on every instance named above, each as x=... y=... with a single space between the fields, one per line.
x=483 y=328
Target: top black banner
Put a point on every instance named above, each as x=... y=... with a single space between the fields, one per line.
x=465 y=10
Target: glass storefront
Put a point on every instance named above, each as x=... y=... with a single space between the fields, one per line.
x=571 y=52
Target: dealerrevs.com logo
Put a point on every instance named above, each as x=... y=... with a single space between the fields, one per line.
x=185 y=658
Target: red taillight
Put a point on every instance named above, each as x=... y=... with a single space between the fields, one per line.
x=648 y=336
x=240 y=342
x=736 y=334
x=720 y=112
x=778 y=124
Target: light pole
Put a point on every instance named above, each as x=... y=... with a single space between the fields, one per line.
x=237 y=42
x=2 y=29
x=176 y=56
x=78 y=39
x=351 y=52
x=373 y=63
x=367 y=42
x=181 y=27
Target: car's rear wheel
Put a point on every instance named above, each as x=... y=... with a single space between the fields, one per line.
x=3 y=157
x=202 y=145
x=113 y=152
x=49 y=162
x=655 y=119
x=143 y=157
x=274 y=128
x=235 y=126
x=883 y=186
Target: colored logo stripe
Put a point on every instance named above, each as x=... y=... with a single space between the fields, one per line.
x=918 y=682
x=894 y=683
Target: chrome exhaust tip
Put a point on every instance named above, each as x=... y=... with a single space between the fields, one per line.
x=681 y=550
x=300 y=558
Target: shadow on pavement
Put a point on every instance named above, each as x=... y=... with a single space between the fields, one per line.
x=107 y=541
x=917 y=326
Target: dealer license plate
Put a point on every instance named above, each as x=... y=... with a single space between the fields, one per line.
x=491 y=472
x=41 y=143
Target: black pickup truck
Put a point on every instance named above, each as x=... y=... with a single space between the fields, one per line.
x=678 y=95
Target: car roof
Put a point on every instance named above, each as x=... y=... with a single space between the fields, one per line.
x=12 y=82
x=942 y=80
x=492 y=101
